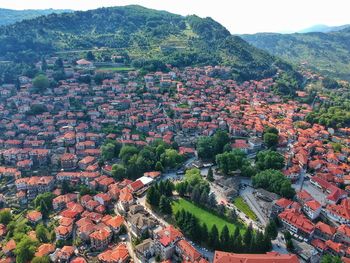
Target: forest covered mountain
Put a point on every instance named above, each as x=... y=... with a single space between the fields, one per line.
x=148 y=37
x=328 y=53
x=9 y=16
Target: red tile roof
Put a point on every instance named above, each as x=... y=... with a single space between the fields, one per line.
x=313 y=205
x=118 y=254
x=270 y=257
x=45 y=249
x=297 y=219
x=327 y=229
x=168 y=235
x=283 y=202
x=188 y=250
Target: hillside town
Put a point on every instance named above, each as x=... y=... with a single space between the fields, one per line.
x=71 y=195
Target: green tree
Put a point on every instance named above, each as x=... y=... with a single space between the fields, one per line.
x=337 y=147
x=232 y=215
x=248 y=170
x=165 y=205
x=204 y=233
x=238 y=245
x=267 y=242
x=171 y=158
x=43 y=64
x=152 y=196
x=290 y=246
x=259 y=246
x=58 y=64
x=127 y=152
x=210 y=175
x=224 y=238
x=84 y=190
x=41 y=83
x=205 y=148
x=214 y=241
x=271 y=140
x=118 y=172
x=44 y=259
x=272 y=230
x=221 y=139
x=5 y=216
x=159 y=167
x=43 y=202
x=181 y=188
x=65 y=187
x=247 y=237
x=328 y=258
x=107 y=151
x=271 y=130
x=274 y=181
x=193 y=176
x=269 y=160
x=231 y=161
x=90 y=56
x=25 y=250
x=42 y=233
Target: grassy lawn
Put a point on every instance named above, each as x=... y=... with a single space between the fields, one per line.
x=203 y=215
x=116 y=69
x=244 y=207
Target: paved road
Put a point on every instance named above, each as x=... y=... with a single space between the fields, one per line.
x=248 y=196
x=278 y=244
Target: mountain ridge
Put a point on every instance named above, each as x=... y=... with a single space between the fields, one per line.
x=327 y=53
x=146 y=35
x=11 y=16
x=323 y=28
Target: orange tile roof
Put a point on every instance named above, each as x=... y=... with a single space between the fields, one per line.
x=78 y=260
x=44 y=250
x=125 y=195
x=153 y=174
x=10 y=246
x=297 y=219
x=115 y=222
x=119 y=253
x=169 y=234
x=270 y=257
x=318 y=244
x=338 y=247
x=34 y=216
x=101 y=234
x=283 y=202
x=313 y=205
x=342 y=209
x=344 y=229
x=188 y=250
x=323 y=227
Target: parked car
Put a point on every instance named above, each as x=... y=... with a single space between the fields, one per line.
x=181 y=171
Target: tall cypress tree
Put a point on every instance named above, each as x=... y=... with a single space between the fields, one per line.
x=259 y=242
x=233 y=240
x=247 y=238
x=214 y=237
x=210 y=175
x=204 y=233
x=224 y=238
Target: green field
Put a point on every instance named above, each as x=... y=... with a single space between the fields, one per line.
x=244 y=207
x=116 y=69
x=203 y=215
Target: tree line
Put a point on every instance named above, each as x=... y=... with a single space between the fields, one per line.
x=250 y=242
x=134 y=161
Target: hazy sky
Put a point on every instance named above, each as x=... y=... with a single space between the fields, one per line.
x=239 y=16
